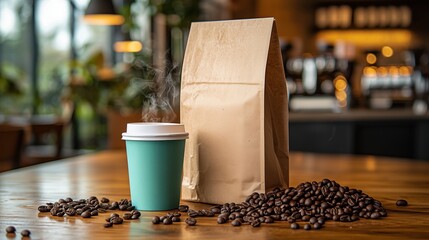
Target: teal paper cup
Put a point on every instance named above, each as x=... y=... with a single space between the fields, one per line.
x=155 y=163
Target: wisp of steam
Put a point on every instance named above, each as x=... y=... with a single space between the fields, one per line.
x=160 y=89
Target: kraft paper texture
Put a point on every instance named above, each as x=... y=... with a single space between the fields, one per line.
x=234 y=106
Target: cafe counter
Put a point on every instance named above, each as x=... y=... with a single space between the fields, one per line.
x=396 y=133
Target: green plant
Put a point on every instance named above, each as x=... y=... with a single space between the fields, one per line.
x=11 y=88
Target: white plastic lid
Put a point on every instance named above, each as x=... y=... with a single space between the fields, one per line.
x=154 y=131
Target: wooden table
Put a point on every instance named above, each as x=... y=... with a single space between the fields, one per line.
x=105 y=174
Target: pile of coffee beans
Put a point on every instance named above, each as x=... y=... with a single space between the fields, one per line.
x=87 y=208
x=312 y=203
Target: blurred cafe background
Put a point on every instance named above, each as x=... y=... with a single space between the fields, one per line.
x=357 y=72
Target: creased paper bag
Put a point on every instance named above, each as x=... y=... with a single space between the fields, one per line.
x=234 y=106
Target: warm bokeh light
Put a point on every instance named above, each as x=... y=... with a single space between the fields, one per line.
x=370 y=71
x=104 y=19
x=128 y=46
x=341 y=95
x=368 y=38
x=382 y=71
x=387 y=51
x=371 y=58
x=394 y=71
x=340 y=83
x=405 y=70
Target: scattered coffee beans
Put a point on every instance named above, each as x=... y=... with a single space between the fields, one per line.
x=25 y=233
x=90 y=207
x=10 y=229
x=191 y=221
x=401 y=203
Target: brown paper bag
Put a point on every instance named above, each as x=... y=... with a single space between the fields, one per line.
x=234 y=106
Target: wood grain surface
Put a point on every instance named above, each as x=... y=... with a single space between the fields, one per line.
x=104 y=174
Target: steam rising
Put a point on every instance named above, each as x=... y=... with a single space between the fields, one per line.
x=160 y=90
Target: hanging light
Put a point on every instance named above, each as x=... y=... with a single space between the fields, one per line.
x=126 y=44
x=102 y=12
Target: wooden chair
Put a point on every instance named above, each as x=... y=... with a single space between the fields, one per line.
x=46 y=143
x=11 y=146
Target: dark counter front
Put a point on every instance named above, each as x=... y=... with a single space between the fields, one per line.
x=395 y=133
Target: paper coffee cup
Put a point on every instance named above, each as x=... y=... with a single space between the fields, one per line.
x=155 y=163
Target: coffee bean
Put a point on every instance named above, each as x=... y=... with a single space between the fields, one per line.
x=236 y=223
x=221 y=220
x=255 y=223
x=269 y=220
x=104 y=200
x=183 y=208
x=117 y=220
x=86 y=214
x=108 y=225
x=294 y=225
x=307 y=227
x=156 y=220
x=25 y=233
x=10 y=229
x=94 y=213
x=317 y=225
x=127 y=216
x=43 y=208
x=175 y=219
x=401 y=203
x=312 y=220
x=191 y=221
x=375 y=215
x=167 y=221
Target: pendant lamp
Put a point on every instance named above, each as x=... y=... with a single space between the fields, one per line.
x=126 y=44
x=102 y=12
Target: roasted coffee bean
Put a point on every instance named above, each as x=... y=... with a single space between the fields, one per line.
x=375 y=215
x=307 y=227
x=401 y=203
x=183 y=208
x=104 y=200
x=94 y=213
x=221 y=220
x=117 y=220
x=215 y=209
x=167 y=221
x=108 y=225
x=236 y=223
x=175 y=219
x=86 y=214
x=156 y=220
x=123 y=207
x=10 y=229
x=127 y=216
x=43 y=208
x=317 y=225
x=69 y=200
x=269 y=220
x=25 y=233
x=70 y=211
x=255 y=223
x=191 y=221
x=345 y=218
x=294 y=225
